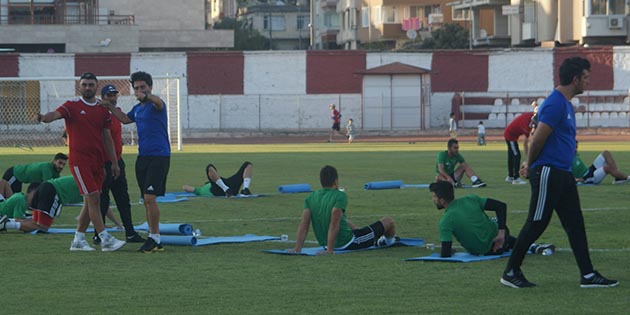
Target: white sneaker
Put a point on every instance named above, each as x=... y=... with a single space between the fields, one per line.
x=518 y=181
x=81 y=246
x=110 y=244
x=509 y=179
x=621 y=181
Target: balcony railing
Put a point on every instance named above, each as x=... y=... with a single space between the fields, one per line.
x=66 y=19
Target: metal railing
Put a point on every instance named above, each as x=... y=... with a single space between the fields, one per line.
x=67 y=19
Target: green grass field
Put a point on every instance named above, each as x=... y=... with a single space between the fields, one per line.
x=40 y=274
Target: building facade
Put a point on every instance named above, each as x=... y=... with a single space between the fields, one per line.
x=107 y=26
x=286 y=25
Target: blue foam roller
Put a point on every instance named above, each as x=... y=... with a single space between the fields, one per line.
x=390 y=184
x=169 y=228
x=186 y=240
x=294 y=188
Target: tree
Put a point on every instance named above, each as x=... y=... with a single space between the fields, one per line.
x=451 y=36
x=245 y=36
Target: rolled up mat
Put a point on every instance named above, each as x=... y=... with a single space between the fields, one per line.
x=169 y=228
x=294 y=188
x=390 y=184
x=187 y=240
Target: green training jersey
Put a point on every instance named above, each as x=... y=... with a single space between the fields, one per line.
x=204 y=191
x=449 y=162
x=35 y=172
x=466 y=219
x=579 y=168
x=67 y=189
x=321 y=203
x=15 y=206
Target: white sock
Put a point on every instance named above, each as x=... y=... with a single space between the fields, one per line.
x=222 y=184
x=79 y=236
x=246 y=182
x=390 y=240
x=13 y=225
x=588 y=276
x=155 y=237
x=474 y=178
x=103 y=235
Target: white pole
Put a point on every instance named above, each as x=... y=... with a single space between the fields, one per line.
x=179 y=117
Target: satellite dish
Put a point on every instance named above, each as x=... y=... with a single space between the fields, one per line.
x=411 y=34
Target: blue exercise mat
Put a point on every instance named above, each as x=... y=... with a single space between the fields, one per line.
x=169 y=198
x=312 y=251
x=415 y=186
x=390 y=184
x=71 y=231
x=169 y=228
x=184 y=240
x=180 y=194
x=190 y=240
x=459 y=257
x=294 y=188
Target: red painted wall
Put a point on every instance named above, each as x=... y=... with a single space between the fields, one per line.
x=459 y=71
x=102 y=64
x=215 y=73
x=9 y=65
x=334 y=71
x=601 y=59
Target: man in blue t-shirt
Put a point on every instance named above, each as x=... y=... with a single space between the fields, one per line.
x=154 y=151
x=548 y=166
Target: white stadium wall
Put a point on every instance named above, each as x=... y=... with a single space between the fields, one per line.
x=520 y=71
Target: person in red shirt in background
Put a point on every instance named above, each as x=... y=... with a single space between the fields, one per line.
x=118 y=185
x=87 y=125
x=336 y=126
x=520 y=126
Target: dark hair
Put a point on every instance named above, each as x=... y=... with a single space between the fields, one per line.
x=327 y=176
x=452 y=114
x=60 y=156
x=207 y=169
x=88 y=76
x=141 y=76
x=443 y=190
x=571 y=68
x=451 y=142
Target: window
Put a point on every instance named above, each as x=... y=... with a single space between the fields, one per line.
x=376 y=15
x=608 y=7
x=302 y=22
x=277 y=23
x=331 y=20
x=389 y=14
x=365 y=17
x=461 y=15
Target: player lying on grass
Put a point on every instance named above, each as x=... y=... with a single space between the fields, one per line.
x=603 y=165
x=219 y=186
x=465 y=218
x=326 y=210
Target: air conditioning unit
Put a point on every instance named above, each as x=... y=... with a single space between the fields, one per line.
x=615 y=22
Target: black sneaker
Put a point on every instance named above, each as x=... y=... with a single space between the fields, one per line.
x=96 y=240
x=246 y=191
x=516 y=281
x=151 y=246
x=478 y=183
x=135 y=238
x=597 y=281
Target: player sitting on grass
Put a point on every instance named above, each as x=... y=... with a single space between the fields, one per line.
x=445 y=167
x=466 y=219
x=602 y=165
x=219 y=186
x=326 y=209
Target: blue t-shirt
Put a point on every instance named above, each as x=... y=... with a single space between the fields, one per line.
x=152 y=129
x=559 y=150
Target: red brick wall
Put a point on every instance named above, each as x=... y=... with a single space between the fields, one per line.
x=215 y=73
x=334 y=71
x=9 y=65
x=601 y=59
x=459 y=71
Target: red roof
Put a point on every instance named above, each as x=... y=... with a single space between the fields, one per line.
x=395 y=68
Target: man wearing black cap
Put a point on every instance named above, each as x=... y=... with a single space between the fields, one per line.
x=118 y=185
x=88 y=125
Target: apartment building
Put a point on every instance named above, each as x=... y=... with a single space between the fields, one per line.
x=108 y=26
x=286 y=24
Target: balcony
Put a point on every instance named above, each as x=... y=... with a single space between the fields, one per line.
x=343 y=5
x=66 y=19
x=329 y=4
